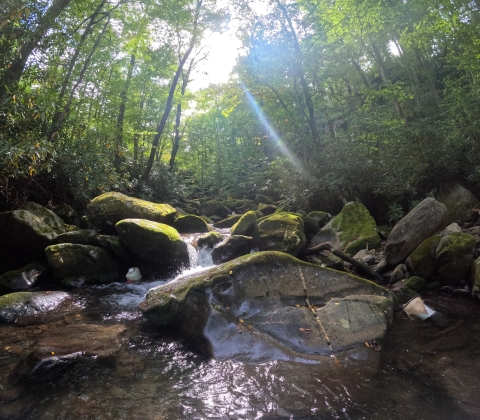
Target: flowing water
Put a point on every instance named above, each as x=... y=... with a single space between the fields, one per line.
x=157 y=376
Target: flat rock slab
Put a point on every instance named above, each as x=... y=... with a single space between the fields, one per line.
x=269 y=306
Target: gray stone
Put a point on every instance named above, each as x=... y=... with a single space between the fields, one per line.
x=419 y=224
x=459 y=202
x=232 y=247
x=47 y=216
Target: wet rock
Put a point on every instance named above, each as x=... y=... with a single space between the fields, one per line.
x=21 y=279
x=228 y=222
x=454 y=256
x=419 y=224
x=232 y=247
x=64 y=345
x=423 y=260
x=107 y=209
x=92 y=263
x=459 y=202
x=83 y=237
x=246 y=225
x=281 y=232
x=190 y=224
x=209 y=239
x=154 y=242
x=26 y=304
x=255 y=308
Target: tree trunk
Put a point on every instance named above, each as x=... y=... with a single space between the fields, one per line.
x=14 y=72
x=168 y=106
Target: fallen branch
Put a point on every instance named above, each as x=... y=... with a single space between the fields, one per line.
x=364 y=268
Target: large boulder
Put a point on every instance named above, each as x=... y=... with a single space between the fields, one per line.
x=246 y=225
x=351 y=230
x=22 y=278
x=190 y=224
x=459 y=202
x=213 y=208
x=94 y=264
x=281 y=232
x=232 y=247
x=154 y=242
x=68 y=214
x=47 y=216
x=419 y=224
x=107 y=209
x=228 y=222
x=454 y=257
x=81 y=236
x=115 y=246
x=422 y=261
x=284 y=308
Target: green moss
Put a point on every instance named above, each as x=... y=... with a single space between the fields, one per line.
x=281 y=232
x=246 y=226
x=190 y=224
x=355 y=228
x=422 y=262
x=415 y=283
x=209 y=239
x=14 y=298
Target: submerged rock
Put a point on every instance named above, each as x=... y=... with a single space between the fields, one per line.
x=107 y=209
x=269 y=305
x=422 y=222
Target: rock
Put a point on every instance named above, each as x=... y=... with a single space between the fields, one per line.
x=92 y=263
x=453 y=227
x=454 y=256
x=154 y=242
x=254 y=309
x=213 y=208
x=321 y=217
x=47 y=216
x=459 y=202
x=474 y=231
x=363 y=253
x=228 y=222
x=423 y=260
x=419 y=224
x=68 y=214
x=350 y=231
x=207 y=219
x=83 y=237
x=263 y=199
x=23 y=278
x=475 y=278
x=415 y=283
x=25 y=232
x=327 y=261
x=61 y=346
x=113 y=245
x=246 y=225
x=399 y=273
x=310 y=225
x=190 y=224
x=281 y=232
x=107 y=209
x=267 y=209
x=24 y=304
x=232 y=247
x=209 y=239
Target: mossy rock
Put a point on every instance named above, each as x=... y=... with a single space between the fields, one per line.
x=327 y=261
x=209 y=240
x=267 y=209
x=155 y=242
x=107 y=209
x=454 y=256
x=356 y=228
x=281 y=232
x=113 y=245
x=423 y=262
x=246 y=225
x=90 y=262
x=228 y=222
x=232 y=247
x=415 y=283
x=23 y=278
x=322 y=217
x=190 y=224
x=310 y=225
x=213 y=208
x=207 y=219
x=83 y=237
x=47 y=216
x=68 y=214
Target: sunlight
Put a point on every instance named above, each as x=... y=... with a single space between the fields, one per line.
x=281 y=145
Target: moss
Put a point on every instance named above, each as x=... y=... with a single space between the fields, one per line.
x=48 y=217
x=14 y=298
x=246 y=226
x=422 y=262
x=356 y=228
x=190 y=224
x=209 y=239
x=415 y=283
x=281 y=232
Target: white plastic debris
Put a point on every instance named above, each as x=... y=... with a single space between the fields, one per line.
x=417 y=308
x=133 y=274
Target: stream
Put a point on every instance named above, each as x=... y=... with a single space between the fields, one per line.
x=424 y=370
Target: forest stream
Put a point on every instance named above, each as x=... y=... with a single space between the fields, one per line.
x=424 y=370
